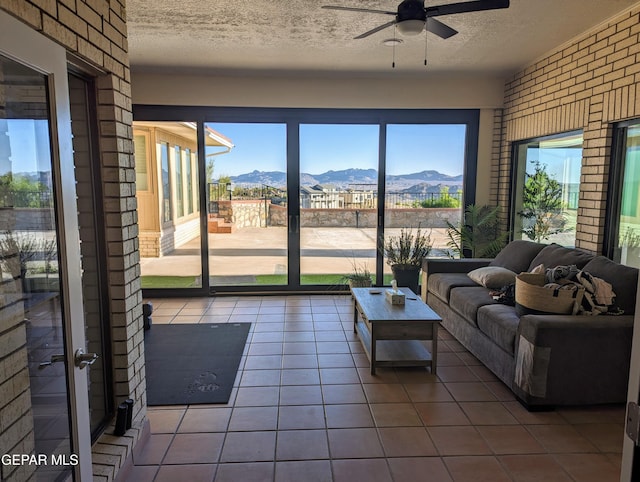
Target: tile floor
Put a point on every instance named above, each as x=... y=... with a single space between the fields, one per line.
x=305 y=408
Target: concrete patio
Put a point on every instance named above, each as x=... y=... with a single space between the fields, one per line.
x=257 y=251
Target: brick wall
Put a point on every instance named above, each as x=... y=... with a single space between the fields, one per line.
x=95 y=32
x=498 y=196
x=149 y=244
x=588 y=83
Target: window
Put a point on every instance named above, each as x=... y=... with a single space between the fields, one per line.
x=546 y=186
x=141 y=159
x=166 y=183
x=308 y=192
x=179 y=181
x=189 y=176
x=624 y=208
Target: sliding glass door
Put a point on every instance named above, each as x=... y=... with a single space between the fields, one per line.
x=424 y=182
x=624 y=235
x=293 y=199
x=338 y=201
x=246 y=186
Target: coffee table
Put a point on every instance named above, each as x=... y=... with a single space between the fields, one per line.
x=392 y=335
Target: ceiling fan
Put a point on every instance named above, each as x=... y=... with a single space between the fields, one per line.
x=413 y=17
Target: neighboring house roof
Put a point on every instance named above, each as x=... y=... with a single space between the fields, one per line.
x=214 y=138
x=325 y=187
x=188 y=130
x=311 y=189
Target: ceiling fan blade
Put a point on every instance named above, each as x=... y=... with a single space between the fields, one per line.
x=440 y=29
x=354 y=9
x=463 y=7
x=377 y=29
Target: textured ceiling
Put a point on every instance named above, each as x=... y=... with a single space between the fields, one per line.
x=297 y=36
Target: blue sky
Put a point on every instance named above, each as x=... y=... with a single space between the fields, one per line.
x=410 y=148
x=561 y=164
x=29 y=144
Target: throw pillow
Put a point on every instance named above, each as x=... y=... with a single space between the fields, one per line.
x=517 y=255
x=554 y=255
x=538 y=269
x=492 y=277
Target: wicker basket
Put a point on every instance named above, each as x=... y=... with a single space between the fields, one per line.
x=533 y=298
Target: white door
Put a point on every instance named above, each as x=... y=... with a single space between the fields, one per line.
x=41 y=263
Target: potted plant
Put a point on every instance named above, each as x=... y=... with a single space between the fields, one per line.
x=404 y=253
x=478 y=235
x=360 y=276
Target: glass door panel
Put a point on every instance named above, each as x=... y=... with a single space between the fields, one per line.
x=30 y=291
x=338 y=201
x=168 y=209
x=424 y=179
x=247 y=222
x=627 y=249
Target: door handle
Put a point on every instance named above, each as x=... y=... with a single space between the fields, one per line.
x=294 y=224
x=54 y=359
x=82 y=359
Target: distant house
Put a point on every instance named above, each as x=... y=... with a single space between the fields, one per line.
x=166 y=183
x=321 y=196
x=360 y=199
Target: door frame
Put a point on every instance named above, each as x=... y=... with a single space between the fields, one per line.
x=293 y=117
x=630 y=451
x=28 y=47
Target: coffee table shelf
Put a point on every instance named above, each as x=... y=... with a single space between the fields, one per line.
x=399 y=353
x=393 y=335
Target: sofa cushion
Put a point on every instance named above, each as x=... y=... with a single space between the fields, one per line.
x=440 y=284
x=517 y=255
x=493 y=276
x=467 y=300
x=554 y=255
x=623 y=280
x=500 y=324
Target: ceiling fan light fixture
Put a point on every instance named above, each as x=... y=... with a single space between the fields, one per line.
x=390 y=42
x=411 y=27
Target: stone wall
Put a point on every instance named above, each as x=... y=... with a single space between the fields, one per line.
x=277 y=215
x=367 y=218
x=245 y=214
x=423 y=218
x=589 y=84
x=26 y=219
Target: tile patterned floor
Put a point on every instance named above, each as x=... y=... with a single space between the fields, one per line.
x=305 y=408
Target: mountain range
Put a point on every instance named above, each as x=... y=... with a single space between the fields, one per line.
x=348 y=177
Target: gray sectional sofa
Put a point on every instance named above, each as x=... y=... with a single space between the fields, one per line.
x=546 y=359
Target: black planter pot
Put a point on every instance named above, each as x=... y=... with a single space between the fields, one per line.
x=406 y=276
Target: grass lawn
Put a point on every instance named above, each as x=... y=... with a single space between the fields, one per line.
x=151 y=282
x=170 y=282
